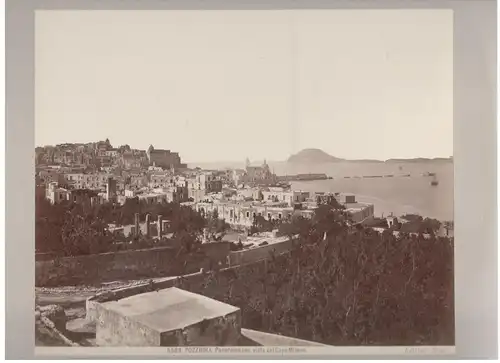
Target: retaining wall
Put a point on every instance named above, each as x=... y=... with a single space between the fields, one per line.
x=191 y=282
x=240 y=263
x=259 y=253
x=128 y=265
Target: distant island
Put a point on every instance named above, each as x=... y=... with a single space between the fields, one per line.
x=317 y=156
x=314 y=156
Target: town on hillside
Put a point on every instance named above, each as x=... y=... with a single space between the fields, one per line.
x=100 y=173
x=279 y=266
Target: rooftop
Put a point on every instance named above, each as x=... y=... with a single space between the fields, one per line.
x=356 y=205
x=169 y=309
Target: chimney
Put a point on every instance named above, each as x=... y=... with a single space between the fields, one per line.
x=148 y=225
x=136 y=223
x=160 y=226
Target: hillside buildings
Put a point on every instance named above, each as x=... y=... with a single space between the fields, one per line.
x=164 y=158
x=103 y=154
x=99 y=173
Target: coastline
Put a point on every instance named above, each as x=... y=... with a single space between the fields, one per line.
x=399 y=196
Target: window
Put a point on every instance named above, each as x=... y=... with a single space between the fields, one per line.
x=248 y=214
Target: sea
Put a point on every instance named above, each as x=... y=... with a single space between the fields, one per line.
x=399 y=195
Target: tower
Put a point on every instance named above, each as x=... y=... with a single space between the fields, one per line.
x=149 y=151
x=247 y=162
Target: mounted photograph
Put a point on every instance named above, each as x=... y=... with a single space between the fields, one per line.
x=257 y=179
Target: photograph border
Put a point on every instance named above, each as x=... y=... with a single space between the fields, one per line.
x=475 y=166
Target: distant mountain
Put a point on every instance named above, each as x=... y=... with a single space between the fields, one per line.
x=317 y=156
x=313 y=156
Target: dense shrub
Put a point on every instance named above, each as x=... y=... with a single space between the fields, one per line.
x=71 y=229
x=418 y=224
x=346 y=286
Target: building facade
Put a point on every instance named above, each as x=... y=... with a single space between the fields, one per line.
x=163 y=158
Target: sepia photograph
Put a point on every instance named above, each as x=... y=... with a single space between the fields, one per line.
x=226 y=178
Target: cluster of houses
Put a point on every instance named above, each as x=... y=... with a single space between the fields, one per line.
x=240 y=208
x=102 y=154
x=99 y=173
x=205 y=192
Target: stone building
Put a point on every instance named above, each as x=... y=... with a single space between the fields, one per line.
x=257 y=174
x=56 y=194
x=93 y=181
x=163 y=158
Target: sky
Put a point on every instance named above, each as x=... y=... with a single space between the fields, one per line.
x=226 y=85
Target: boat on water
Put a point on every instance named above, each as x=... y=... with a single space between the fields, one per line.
x=434 y=181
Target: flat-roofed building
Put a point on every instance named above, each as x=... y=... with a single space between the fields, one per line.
x=168 y=317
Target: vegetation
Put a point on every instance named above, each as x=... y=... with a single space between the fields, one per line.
x=418 y=224
x=260 y=224
x=345 y=285
x=216 y=227
x=70 y=229
x=340 y=285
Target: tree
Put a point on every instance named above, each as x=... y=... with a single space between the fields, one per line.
x=83 y=235
x=418 y=224
x=260 y=224
x=71 y=229
x=354 y=287
x=216 y=227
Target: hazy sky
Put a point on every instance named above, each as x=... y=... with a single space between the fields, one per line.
x=226 y=85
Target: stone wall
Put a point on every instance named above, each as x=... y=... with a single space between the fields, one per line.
x=247 y=262
x=219 y=331
x=128 y=265
x=192 y=282
x=116 y=330
x=259 y=253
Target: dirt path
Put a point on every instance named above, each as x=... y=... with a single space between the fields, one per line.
x=46 y=338
x=73 y=300
x=68 y=296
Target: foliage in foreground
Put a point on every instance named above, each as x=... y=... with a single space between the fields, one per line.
x=356 y=287
x=70 y=229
